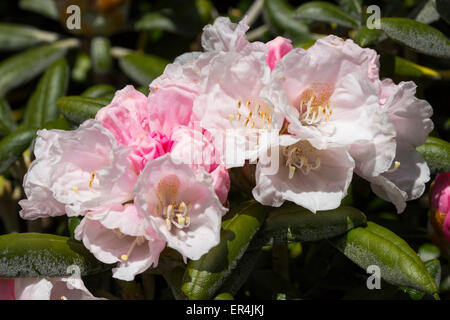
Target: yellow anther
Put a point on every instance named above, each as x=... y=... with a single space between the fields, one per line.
x=92 y=179
x=63 y=298
x=124 y=257
x=231 y=116
x=396 y=166
x=181 y=220
x=75 y=188
x=291 y=171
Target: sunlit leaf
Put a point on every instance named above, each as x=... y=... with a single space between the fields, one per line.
x=437 y=154
x=77 y=109
x=17 y=36
x=142 y=68
x=325 y=12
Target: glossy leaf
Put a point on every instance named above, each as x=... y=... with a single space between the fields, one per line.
x=44 y=255
x=434 y=269
x=41 y=106
x=17 y=36
x=13 y=145
x=99 y=91
x=77 y=109
x=353 y=7
x=398 y=263
x=437 y=154
x=24 y=66
x=155 y=20
x=407 y=68
x=325 y=12
x=100 y=53
x=142 y=68
x=280 y=14
x=204 y=277
x=44 y=7
x=7 y=123
x=418 y=36
x=294 y=223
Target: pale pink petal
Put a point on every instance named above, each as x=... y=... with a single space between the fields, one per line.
x=224 y=35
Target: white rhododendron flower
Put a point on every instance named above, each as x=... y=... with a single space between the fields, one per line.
x=181 y=205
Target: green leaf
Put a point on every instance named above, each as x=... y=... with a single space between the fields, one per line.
x=428 y=13
x=443 y=7
x=60 y=124
x=437 y=154
x=99 y=91
x=24 y=66
x=72 y=224
x=325 y=12
x=7 y=123
x=407 y=68
x=434 y=269
x=44 y=7
x=155 y=20
x=44 y=255
x=17 y=36
x=428 y=252
x=41 y=106
x=366 y=37
x=204 y=277
x=224 y=296
x=13 y=145
x=418 y=36
x=353 y=7
x=280 y=15
x=142 y=68
x=77 y=109
x=294 y=223
x=101 y=55
x=399 y=264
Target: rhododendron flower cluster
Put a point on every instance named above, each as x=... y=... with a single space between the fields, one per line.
x=150 y=172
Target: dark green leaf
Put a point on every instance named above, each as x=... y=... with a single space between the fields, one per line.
x=77 y=109
x=325 y=12
x=366 y=37
x=24 y=66
x=7 y=123
x=294 y=223
x=13 y=145
x=142 y=68
x=44 y=7
x=418 y=36
x=224 y=296
x=17 y=36
x=437 y=154
x=60 y=124
x=44 y=255
x=100 y=53
x=99 y=91
x=280 y=15
x=203 y=277
x=398 y=263
x=41 y=106
x=353 y=7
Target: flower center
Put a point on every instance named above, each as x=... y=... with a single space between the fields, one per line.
x=303 y=156
x=314 y=105
x=252 y=114
x=177 y=215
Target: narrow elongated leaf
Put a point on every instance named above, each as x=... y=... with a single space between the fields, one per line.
x=325 y=12
x=44 y=7
x=60 y=124
x=437 y=154
x=44 y=255
x=142 y=68
x=155 y=20
x=398 y=263
x=294 y=223
x=16 y=36
x=99 y=91
x=280 y=14
x=407 y=68
x=418 y=36
x=203 y=277
x=434 y=269
x=78 y=109
x=101 y=55
x=353 y=7
x=24 y=66
x=41 y=107
x=13 y=145
x=7 y=123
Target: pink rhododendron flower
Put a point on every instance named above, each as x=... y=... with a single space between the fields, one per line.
x=64 y=174
x=440 y=203
x=181 y=205
x=44 y=289
x=278 y=48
